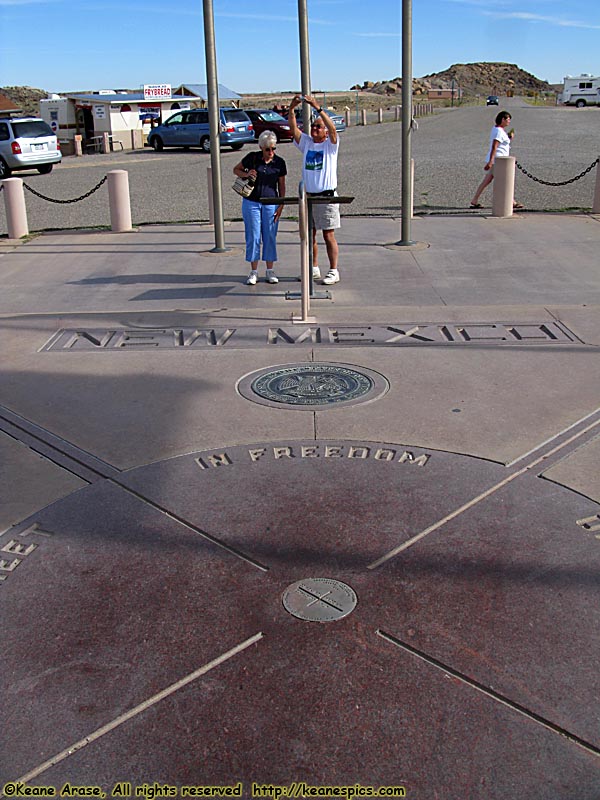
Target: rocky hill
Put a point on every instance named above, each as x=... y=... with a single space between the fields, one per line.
x=26 y=98
x=488 y=77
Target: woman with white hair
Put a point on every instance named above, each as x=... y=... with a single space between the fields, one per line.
x=268 y=171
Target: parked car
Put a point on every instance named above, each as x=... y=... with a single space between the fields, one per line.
x=191 y=129
x=492 y=100
x=337 y=119
x=265 y=120
x=27 y=143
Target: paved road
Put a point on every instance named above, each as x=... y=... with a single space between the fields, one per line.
x=554 y=144
x=449 y=150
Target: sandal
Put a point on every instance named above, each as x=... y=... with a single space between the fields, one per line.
x=518 y=205
x=475 y=205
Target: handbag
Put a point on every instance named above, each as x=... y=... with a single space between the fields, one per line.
x=244 y=186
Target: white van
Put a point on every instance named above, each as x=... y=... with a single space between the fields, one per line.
x=582 y=91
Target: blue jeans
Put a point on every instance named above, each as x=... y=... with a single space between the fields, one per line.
x=259 y=223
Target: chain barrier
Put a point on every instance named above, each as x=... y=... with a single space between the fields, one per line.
x=559 y=183
x=64 y=202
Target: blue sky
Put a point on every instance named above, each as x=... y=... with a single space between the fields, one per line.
x=67 y=45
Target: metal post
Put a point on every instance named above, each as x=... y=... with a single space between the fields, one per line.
x=209 y=187
x=305 y=245
x=406 y=121
x=304 y=61
x=215 y=124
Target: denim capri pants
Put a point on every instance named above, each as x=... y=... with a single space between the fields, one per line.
x=259 y=223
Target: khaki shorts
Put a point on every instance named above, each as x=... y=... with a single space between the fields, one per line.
x=326 y=216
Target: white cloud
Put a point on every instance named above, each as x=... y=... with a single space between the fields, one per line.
x=528 y=17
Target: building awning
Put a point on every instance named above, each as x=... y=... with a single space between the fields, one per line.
x=200 y=90
x=118 y=99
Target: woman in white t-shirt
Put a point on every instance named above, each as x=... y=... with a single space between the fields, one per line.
x=499 y=146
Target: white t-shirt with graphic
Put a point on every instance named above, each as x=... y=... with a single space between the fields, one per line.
x=319 y=170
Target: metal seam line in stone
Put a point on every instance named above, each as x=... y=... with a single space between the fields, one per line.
x=489 y=692
x=169 y=690
x=554 y=437
x=474 y=501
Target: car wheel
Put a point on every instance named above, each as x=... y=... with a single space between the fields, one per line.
x=157 y=143
x=580 y=104
x=45 y=169
x=205 y=144
x=5 y=171
x=237 y=146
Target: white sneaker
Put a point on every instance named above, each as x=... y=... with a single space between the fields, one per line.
x=333 y=276
x=316 y=273
x=252 y=278
x=271 y=277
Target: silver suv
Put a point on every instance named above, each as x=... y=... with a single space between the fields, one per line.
x=27 y=143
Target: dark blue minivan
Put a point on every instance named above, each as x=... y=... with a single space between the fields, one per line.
x=190 y=128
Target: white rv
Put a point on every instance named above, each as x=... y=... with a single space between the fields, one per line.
x=581 y=91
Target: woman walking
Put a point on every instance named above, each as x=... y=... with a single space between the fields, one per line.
x=499 y=146
x=268 y=171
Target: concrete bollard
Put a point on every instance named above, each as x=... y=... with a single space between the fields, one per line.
x=364 y=116
x=397 y=111
x=347 y=116
x=503 y=186
x=78 y=144
x=118 y=199
x=137 y=140
x=596 y=203
x=380 y=115
x=105 y=143
x=16 y=212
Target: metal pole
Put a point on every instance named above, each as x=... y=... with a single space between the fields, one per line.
x=305 y=245
x=215 y=124
x=406 y=121
x=304 y=61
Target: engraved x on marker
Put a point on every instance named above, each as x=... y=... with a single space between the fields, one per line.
x=319 y=598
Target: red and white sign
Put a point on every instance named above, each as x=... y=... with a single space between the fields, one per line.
x=157 y=91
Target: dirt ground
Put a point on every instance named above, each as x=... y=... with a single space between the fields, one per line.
x=337 y=101
x=370 y=101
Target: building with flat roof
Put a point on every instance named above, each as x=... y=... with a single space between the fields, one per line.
x=125 y=116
